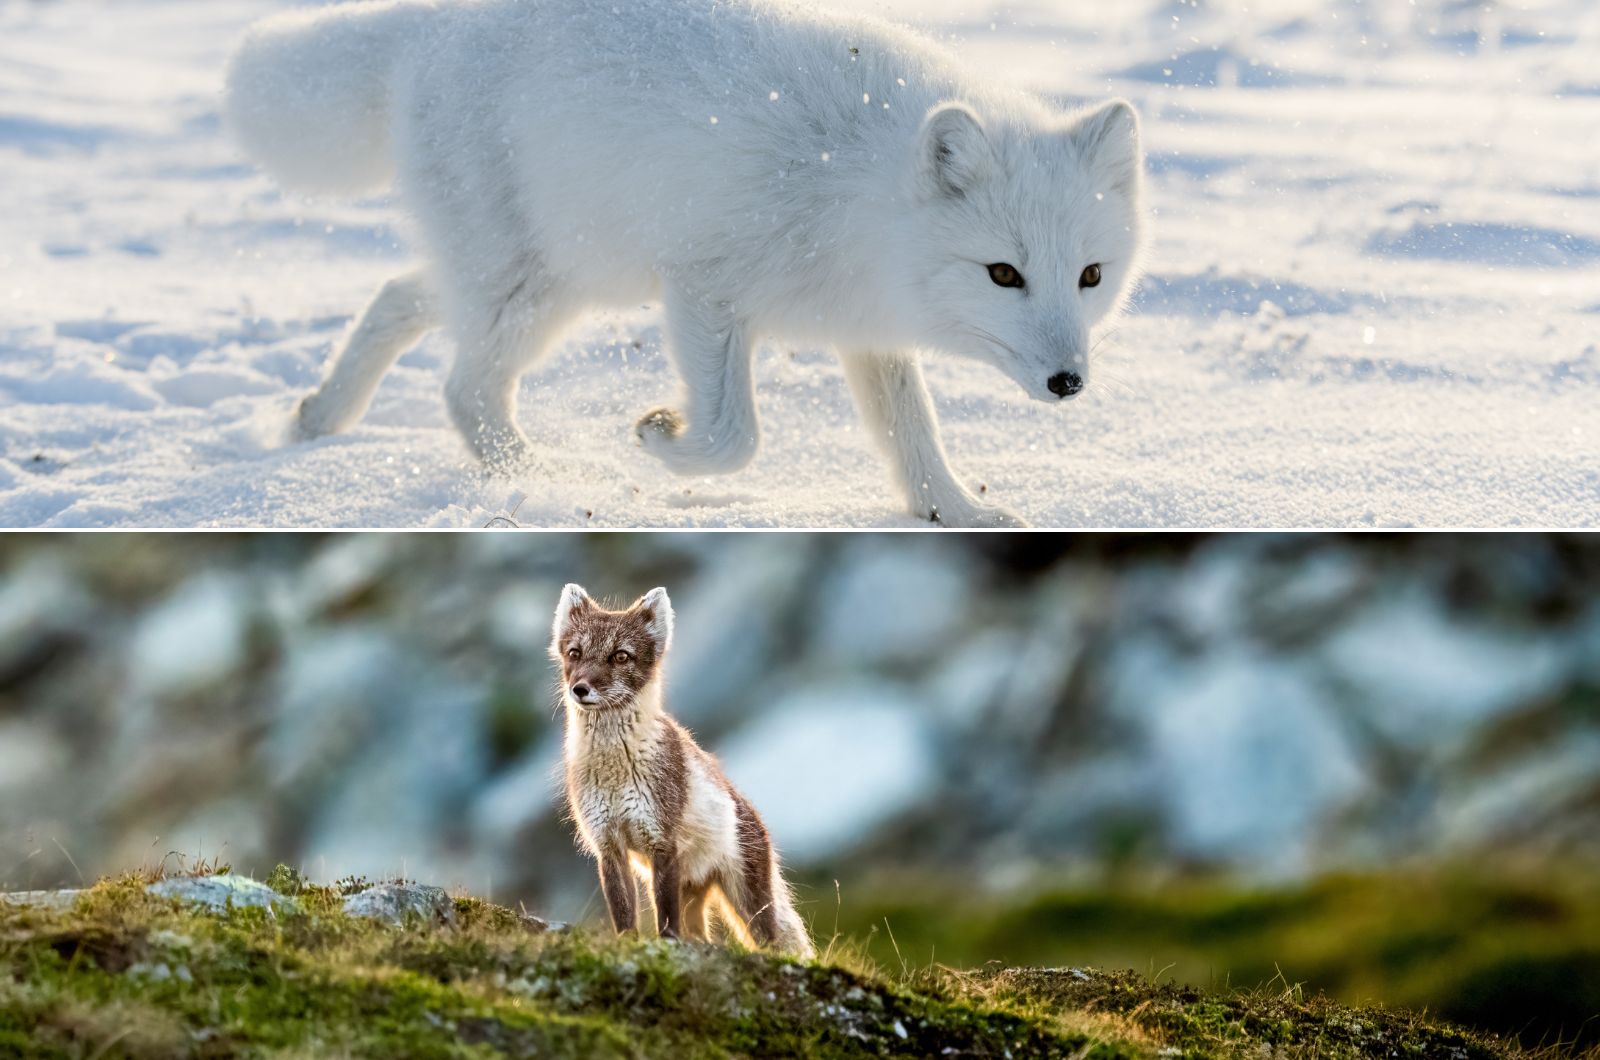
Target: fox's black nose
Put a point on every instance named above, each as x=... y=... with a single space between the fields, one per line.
x=580 y=690
x=1065 y=384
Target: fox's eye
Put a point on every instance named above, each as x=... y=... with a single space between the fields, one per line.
x=1090 y=277
x=620 y=657
x=574 y=654
x=1005 y=275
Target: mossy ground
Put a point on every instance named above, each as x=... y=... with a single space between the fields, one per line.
x=124 y=974
x=1493 y=947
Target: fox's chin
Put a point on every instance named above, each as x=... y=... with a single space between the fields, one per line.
x=1040 y=392
x=600 y=706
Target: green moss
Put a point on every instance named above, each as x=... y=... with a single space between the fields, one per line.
x=1237 y=1024
x=285 y=880
x=124 y=974
x=1517 y=953
x=475 y=912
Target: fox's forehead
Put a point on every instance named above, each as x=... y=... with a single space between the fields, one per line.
x=608 y=627
x=1055 y=203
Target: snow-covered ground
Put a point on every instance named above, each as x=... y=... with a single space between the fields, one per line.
x=1373 y=298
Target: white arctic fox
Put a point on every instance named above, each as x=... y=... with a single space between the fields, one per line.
x=761 y=167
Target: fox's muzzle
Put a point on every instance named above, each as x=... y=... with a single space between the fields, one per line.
x=584 y=694
x=1065 y=384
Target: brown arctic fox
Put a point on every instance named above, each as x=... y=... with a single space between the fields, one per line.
x=643 y=793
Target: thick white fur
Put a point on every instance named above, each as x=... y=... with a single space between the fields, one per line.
x=760 y=167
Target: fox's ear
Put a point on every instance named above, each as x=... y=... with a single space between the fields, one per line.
x=954 y=154
x=574 y=603
x=655 y=611
x=1108 y=138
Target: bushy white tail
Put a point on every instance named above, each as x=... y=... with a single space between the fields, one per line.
x=307 y=93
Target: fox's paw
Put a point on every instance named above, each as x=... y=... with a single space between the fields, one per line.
x=660 y=432
x=668 y=437
x=657 y=425
x=314 y=418
x=506 y=455
x=972 y=516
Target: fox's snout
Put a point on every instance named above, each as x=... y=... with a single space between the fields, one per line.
x=586 y=691
x=1064 y=384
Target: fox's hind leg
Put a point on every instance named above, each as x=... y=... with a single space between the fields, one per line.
x=495 y=345
x=501 y=300
x=896 y=407
x=402 y=310
x=711 y=349
x=696 y=912
x=750 y=882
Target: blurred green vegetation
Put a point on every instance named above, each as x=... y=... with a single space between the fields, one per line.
x=1506 y=950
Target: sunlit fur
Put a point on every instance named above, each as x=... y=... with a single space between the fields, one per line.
x=762 y=168
x=646 y=800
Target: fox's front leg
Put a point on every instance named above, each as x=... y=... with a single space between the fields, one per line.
x=668 y=893
x=717 y=430
x=616 y=881
x=897 y=409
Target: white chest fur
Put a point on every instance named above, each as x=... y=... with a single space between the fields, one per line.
x=614 y=775
x=612 y=763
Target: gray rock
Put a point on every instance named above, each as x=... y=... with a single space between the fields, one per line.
x=400 y=903
x=1450 y=674
x=848 y=787
x=886 y=602
x=714 y=665
x=222 y=892
x=194 y=639
x=1251 y=755
x=31 y=756
x=41 y=899
x=42 y=609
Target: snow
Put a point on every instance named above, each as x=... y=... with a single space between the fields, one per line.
x=1374 y=295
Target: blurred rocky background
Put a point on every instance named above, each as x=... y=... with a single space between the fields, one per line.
x=1369 y=764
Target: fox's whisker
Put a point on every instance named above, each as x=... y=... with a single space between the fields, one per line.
x=983 y=336
x=1112 y=381
x=1105 y=336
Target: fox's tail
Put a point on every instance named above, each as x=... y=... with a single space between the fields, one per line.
x=793 y=938
x=308 y=92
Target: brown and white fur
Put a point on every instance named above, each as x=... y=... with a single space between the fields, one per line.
x=647 y=799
